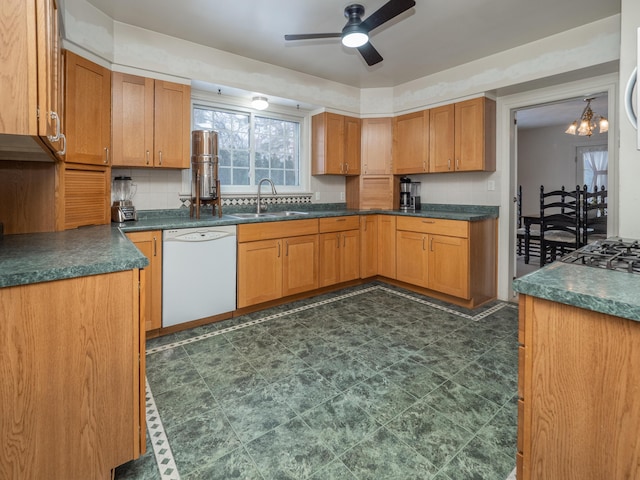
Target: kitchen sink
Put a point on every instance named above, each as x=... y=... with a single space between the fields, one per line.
x=286 y=213
x=250 y=215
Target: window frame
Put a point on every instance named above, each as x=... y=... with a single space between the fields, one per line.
x=277 y=112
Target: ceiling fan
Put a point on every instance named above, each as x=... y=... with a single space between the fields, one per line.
x=355 y=33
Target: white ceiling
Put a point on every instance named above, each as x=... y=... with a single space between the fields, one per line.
x=432 y=36
x=561 y=113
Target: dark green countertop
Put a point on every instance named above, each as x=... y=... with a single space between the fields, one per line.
x=605 y=291
x=42 y=257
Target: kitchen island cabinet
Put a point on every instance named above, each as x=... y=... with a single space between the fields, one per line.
x=72 y=384
x=151 y=122
x=578 y=386
x=272 y=266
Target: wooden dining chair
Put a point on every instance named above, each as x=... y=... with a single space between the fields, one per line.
x=528 y=246
x=559 y=222
x=594 y=215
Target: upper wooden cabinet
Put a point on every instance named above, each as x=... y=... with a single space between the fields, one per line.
x=462 y=136
x=87 y=118
x=336 y=143
x=377 y=138
x=411 y=143
x=30 y=76
x=151 y=122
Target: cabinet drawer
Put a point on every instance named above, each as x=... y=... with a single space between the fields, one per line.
x=438 y=226
x=338 y=224
x=288 y=228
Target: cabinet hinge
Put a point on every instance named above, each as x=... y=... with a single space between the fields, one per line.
x=37 y=112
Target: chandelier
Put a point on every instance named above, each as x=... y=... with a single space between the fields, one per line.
x=588 y=122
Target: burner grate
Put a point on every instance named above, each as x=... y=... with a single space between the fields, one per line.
x=612 y=254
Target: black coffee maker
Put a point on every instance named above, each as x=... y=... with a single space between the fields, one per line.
x=405 y=194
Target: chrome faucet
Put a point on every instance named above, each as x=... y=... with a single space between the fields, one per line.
x=259 y=207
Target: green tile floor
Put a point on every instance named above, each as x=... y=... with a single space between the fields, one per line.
x=370 y=382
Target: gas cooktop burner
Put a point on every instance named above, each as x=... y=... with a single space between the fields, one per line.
x=612 y=254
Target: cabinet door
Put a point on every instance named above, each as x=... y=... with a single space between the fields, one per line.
x=150 y=244
x=441 y=139
x=132 y=120
x=349 y=255
x=377 y=138
x=387 y=246
x=172 y=125
x=368 y=246
x=352 y=146
x=82 y=196
x=328 y=136
x=411 y=143
x=87 y=111
x=300 y=264
x=49 y=73
x=474 y=135
x=411 y=258
x=329 y=270
x=449 y=265
x=259 y=272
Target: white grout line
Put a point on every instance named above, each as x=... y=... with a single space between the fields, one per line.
x=161 y=447
x=158 y=437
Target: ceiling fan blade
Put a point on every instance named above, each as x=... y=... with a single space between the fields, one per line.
x=386 y=12
x=309 y=36
x=370 y=54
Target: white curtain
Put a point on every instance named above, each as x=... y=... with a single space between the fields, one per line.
x=596 y=165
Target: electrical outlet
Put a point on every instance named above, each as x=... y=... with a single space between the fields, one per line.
x=317 y=195
x=491 y=185
x=341 y=195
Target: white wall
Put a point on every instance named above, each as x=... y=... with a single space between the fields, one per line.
x=629 y=193
x=547 y=156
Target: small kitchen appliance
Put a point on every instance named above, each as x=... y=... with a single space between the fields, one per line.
x=415 y=196
x=122 y=191
x=405 y=194
x=205 y=184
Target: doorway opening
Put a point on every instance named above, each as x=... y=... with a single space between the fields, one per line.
x=546 y=156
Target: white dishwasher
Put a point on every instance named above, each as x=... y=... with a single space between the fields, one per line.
x=198 y=273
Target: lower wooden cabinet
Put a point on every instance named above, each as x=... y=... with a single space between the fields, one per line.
x=387 y=246
x=72 y=388
x=271 y=266
x=150 y=244
x=578 y=412
x=452 y=257
x=339 y=250
x=368 y=246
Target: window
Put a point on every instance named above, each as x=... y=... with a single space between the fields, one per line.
x=594 y=163
x=253 y=146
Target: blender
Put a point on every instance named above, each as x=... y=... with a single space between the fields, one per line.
x=122 y=191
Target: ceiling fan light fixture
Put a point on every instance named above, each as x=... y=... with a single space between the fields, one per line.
x=353 y=36
x=260 y=103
